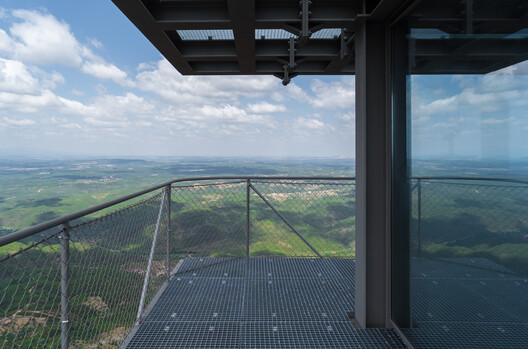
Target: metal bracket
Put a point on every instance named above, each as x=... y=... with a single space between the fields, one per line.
x=288 y=68
x=286 y=78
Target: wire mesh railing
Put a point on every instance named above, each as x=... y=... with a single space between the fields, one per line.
x=82 y=282
x=466 y=219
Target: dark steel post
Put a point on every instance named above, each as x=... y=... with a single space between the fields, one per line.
x=168 y=191
x=247 y=216
x=65 y=280
x=419 y=218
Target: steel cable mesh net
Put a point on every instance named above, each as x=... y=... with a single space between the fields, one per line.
x=323 y=212
x=467 y=219
x=30 y=277
x=208 y=220
x=108 y=262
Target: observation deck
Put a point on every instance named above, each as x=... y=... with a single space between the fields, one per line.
x=260 y=262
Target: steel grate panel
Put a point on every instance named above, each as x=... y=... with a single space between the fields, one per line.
x=221 y=267
x=189 y=335
x=426 y=268
x=434 y=300
x=278 y=303
x=456 y=270
x=483 y=263
x=510 y=296
x=288 y=335
x=293 y=268
x=441 y=335
x=297 y=300
x=347 y=267
x=205 y=299
x=467 y=303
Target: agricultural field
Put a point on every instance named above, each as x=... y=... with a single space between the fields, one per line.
x=34 y=191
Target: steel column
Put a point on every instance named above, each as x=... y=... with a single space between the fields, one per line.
x=65 y=283
x=373 y=158
x=401 y=181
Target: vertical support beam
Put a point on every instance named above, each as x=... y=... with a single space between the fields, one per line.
x=65 y=283
x=247 y=215
x=373 y=180
x=168 y=195
x=401 y=174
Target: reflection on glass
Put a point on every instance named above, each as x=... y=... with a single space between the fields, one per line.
x=468 y=118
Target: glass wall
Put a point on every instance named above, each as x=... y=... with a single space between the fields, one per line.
x=466 y=114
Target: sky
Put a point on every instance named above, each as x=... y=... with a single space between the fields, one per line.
x=77 y=78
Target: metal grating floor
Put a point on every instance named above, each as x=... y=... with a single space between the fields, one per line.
x=259 y=303
x=467 y=303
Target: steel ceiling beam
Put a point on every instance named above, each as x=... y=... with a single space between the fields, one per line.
x=242 y=13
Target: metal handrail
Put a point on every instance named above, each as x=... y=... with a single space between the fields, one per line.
x=24 y=233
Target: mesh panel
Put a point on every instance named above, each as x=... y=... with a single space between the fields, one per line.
x=208 y=220
x=107 y=264
x=323 y=213
x=30 y=295
x=472 y=219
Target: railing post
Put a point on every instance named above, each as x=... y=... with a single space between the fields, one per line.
x=151 y=258
x=247 y=216
x=168 y=195
x=419 y=218
x=65 y=281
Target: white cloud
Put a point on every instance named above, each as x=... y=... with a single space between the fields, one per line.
x=333 y=95
x=15 y=78
x=311 y=124
x=48 y=80
x=230 y=114
x=346 y=116
x=41 y=39
x=95 y=43
x=106 y=71
x=6 y=44
x=19 y=122
x=163 y=79
x=265 y=108
x=127 y=106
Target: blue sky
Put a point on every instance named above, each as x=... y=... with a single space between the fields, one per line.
x=77 y=78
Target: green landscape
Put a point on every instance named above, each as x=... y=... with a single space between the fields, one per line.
x=450 y=219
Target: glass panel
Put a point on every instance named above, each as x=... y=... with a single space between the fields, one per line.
x=467 y=118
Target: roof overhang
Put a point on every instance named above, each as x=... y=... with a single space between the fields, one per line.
x=286 y=38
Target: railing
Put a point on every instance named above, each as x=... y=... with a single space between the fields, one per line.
x=460 y=219
x=84 y=279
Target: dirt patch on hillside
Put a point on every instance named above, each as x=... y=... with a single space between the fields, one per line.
x=17 y=322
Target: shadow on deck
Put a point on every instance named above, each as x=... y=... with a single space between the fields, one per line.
x=258 y=303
